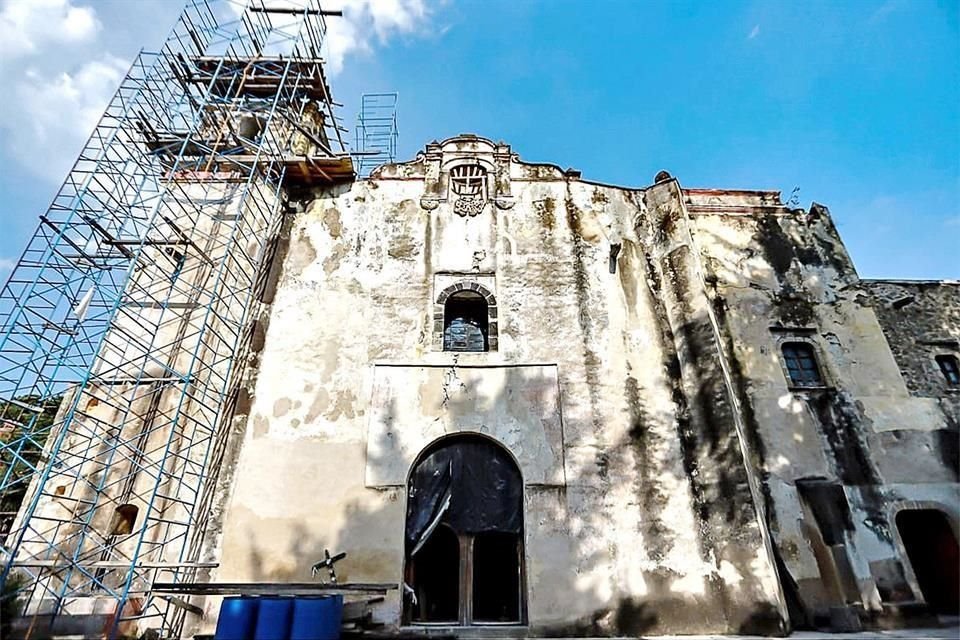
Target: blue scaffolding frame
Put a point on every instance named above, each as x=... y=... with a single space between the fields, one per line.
x=376 y=131
x=125 y=324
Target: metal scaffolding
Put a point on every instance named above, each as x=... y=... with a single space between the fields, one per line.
x=376 y=131
x=125 y=325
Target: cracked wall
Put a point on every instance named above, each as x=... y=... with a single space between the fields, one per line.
x=636 y=380
x=778 y=275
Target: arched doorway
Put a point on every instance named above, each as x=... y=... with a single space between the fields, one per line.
x=934 y=555
x=464 y=535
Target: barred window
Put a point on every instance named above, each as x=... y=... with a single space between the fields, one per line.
x=801 y=361
x=467 y=179
x=950 y=369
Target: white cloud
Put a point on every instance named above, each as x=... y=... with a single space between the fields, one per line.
x=362 y=23
x=27 y=25
x=888 y=7
x=7 y=264
x=366 y=20
x=51 y=102
x=754 y=32
x=58 y=74
x=55 y=112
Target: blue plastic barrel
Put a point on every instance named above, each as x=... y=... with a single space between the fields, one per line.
x=237 y=618
x=317 y=618
x=273 y=618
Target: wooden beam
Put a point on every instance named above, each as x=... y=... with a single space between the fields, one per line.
x=293 y=10
x=269 y=588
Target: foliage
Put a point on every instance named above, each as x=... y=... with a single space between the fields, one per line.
x=9 y=604
x=23 y=433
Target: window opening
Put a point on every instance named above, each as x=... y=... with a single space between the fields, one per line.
x=467 y=179
x=464 y=525
x=933 y=553
x=801 y=361
x=178 y=259
x=950 y=369
x=465 y=322
x=124 y=519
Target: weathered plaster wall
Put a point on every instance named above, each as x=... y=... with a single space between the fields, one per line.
x=775 y=274
x=636 y=378
x=583 y=389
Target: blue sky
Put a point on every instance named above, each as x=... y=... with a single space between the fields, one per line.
x=857 y=103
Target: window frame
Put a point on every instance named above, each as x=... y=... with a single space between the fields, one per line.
x=468 y=180
x=954 y=369
x=439 y=311
x=824 y=379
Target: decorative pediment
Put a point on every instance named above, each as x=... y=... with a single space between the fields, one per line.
x=469 y=172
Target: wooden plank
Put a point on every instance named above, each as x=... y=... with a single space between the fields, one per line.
x=268 y=588
x=183 y=604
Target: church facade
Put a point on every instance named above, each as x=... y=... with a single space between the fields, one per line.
x=532 y=401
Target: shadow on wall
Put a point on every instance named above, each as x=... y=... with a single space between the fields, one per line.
x=796 y=266
x=580 y=547
x=586 y=557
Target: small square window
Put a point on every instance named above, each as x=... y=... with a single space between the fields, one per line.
x=178 y=260
x=801 y=361
x=950 y=369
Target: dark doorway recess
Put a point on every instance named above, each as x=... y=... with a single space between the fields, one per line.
x=496 y=577
x=464 y=535
x=435 y=569
x=932 y=549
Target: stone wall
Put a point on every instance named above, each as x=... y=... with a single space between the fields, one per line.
x=922 y=321
x=583 y=389
x=673 y=478
x=777 y=275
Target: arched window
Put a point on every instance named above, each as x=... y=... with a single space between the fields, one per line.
x=800 y=359
x=465 y=318
x=465 y=323
x=464 y=535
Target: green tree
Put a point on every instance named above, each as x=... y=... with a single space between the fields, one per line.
x=23 y=433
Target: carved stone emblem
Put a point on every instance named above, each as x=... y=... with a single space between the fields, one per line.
x=469 y=206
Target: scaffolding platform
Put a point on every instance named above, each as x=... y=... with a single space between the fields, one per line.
x=376 y=131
